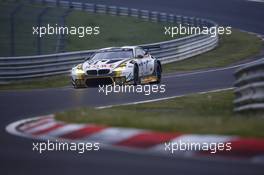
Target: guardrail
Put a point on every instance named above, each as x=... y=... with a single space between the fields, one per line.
x=249 y=87
x=25 y=67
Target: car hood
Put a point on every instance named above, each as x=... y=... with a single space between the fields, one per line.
x=103 y=64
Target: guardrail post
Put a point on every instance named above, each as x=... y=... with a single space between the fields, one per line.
x=70 y=4
x=144 y=15
x=12 y=29
x=112 y=10
x=43 y=2
x=57 y=3
x=185 y=21
x=202 y=23
x=195 y=22
x=40 y=17
x=191 y=21
x=249 y=88
x=90 y=8
x=179 y=19
x=163 y=17
x=134 y=13
x=154 y=16
x=83 y=6
x=60 y=47
x=171 y=18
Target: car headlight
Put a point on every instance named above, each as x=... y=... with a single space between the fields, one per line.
x=79 y=66
x=78 y=69
x=121 y=67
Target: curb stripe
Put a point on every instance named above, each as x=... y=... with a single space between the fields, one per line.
x=31 y=125
x=40 y=127
x=46 y=130
x=248 y=147
x=65 y=130
x=146 y=140
x=113 y=135
x=83 y=132
x=251 y=149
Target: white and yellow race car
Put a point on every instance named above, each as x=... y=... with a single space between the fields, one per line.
x=117 y=65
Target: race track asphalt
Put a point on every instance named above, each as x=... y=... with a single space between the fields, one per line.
x=18 y=158
x=17 y=151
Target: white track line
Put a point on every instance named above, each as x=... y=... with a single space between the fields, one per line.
x=214 y=70
x=256 y=1
x=182 y=75
x=160 y=99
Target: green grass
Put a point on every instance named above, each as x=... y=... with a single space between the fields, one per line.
x=208 y=113
x=49 y=82
x=24 y=19
x=232 y=48
x=114 y=31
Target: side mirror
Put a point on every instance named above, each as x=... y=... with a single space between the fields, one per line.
x=87 y=58
x=146 y=52
x=140 y=56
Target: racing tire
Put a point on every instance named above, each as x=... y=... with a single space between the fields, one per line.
x=136 y=75
x=75 y=86
x=158 y=72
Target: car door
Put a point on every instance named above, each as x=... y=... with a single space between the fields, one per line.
x=144 y=61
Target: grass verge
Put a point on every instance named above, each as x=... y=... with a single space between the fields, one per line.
x=232 y=48
x=200 y=113
x=114 y=31
x=41 y=83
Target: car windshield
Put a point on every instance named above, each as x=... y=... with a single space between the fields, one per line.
x=113 y=54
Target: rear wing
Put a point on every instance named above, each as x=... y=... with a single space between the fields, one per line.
x=150 y=47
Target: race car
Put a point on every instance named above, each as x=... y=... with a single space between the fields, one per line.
x=117 y=65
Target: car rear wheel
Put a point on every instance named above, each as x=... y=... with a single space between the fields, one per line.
x=158 y=74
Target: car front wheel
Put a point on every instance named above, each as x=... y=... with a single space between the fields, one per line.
x=136 y=75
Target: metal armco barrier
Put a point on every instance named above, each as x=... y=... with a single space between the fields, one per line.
x=25 y=67
x=249 y=87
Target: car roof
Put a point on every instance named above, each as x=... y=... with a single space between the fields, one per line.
x=118 y=48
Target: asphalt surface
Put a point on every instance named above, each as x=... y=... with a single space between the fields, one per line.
x=18 y=158
x=17 y=151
